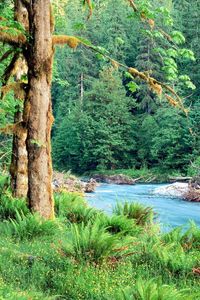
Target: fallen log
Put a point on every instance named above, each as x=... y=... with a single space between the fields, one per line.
x=180 y=179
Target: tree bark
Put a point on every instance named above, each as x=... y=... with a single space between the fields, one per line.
x=19 y=161
x=38 y=110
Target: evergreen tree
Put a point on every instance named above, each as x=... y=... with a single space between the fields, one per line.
x=102 y=134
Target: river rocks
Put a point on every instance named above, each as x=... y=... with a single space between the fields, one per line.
x=70 y=183
x=90 y=186
x=114 y=179
x=177 y=189
x=193 y=194
x=187 y=191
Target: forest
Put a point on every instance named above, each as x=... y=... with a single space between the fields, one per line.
x=99 y=89
x=116 y=122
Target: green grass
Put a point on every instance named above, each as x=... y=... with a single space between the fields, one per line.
x=95 y=257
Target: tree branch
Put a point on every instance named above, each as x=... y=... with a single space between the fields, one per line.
x=71 y=41
x=154 y=84
x=11 y=39
x=132 y=4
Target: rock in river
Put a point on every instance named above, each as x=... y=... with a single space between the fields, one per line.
x=177 y=189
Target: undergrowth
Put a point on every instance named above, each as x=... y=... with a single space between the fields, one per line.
x=85 y=254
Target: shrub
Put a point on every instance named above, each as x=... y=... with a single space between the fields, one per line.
x=65 y=201
x=136 y=211
x=118 y=225
x=30 y=226
x=151 y=290
x=190 y=239
x=90 y=242
x=4 y=182
x=81 y=214
x=163 y=259
x=74 y=208
x=93 y=244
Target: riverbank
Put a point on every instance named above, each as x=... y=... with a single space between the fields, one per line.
x=143 y=175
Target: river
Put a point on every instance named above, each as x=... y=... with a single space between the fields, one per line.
x=171 y=212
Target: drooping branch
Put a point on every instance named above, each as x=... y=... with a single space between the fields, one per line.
x=158 y=87
x=71 y=41
x=132 y=4
x=11 y=129
x=18 y=39
x=151 y=22
x=155 y=85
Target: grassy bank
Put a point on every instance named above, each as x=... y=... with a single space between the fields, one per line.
x=84 y=254
x=156 y=175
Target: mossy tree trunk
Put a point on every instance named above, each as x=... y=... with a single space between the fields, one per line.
x=18 y=168
x=38 y=110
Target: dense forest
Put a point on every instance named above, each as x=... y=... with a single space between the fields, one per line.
x=99 y=87
x=104 y=120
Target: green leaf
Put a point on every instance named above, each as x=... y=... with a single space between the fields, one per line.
x=161 y=51
x=172 y=52
x=178 y=37
x=190 y=85
x=188 y=54
x=119 y=41
x=133 y=87
x=158 y=34
x=170 y=62
x=79 y=26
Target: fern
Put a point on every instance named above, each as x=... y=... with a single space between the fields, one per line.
x=93 y=244
x=118 y=225
x=29 y=226
x=10 y=207
x=151 y=290
x=136 y=211
x=65 y=201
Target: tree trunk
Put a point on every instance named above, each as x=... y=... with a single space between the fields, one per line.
x=19 y=162
x=38 y=110
x=18 y=168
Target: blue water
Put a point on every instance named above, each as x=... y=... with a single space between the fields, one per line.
x=171 y=212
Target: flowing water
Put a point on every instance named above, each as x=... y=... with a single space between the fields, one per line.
x=171 y=212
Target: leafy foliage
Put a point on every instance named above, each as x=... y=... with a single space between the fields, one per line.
x=90 y=242
x=29 y=226
x=119 y=225
x=140 y=214
x=147 y=290
x=11 y=208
